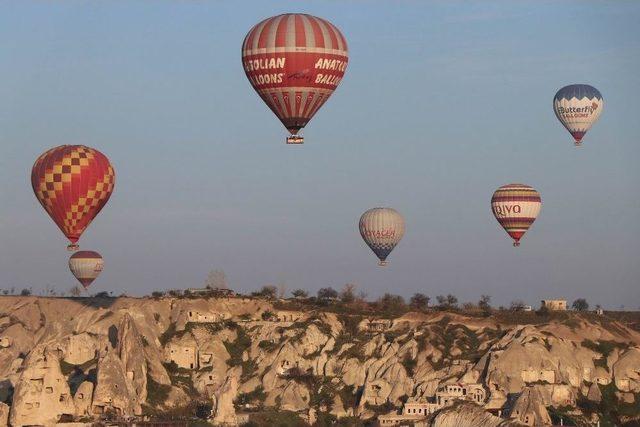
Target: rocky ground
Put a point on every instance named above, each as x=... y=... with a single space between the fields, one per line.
x=234 y=361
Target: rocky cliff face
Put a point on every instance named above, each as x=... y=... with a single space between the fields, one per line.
x=92 y=359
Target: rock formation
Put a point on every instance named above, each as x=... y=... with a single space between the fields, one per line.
x=124 y=358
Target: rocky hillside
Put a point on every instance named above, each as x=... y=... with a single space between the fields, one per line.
x=243 y=361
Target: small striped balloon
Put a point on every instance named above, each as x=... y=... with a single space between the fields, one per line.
x=578 y=107
x=382 y=229
x=516 y=207
x=86 y=266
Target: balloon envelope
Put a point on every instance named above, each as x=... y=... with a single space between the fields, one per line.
x=578 y=107
x=86 y=266
x=516 y=207
x=382 y=229
x=294 y=62
x=72 y=183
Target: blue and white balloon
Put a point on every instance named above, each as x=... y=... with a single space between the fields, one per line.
x=578 y=107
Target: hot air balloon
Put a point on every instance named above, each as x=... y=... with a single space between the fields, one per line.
x=72 y=183
x=86 y=266
x=578 y=107
x=382 y=229
x=516 y=207
x=295 y=62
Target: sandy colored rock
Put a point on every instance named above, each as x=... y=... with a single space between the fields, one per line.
x=83 y=398
x=594 y=394
x=529 y=408
x=41 y=395
x=130 y=349
x=223 y=410
x=469 y=415
x=114 y=392
x=295 y=397
x=4 y=414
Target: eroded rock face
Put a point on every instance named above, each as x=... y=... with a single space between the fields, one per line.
x=224 y=412
x=530 y=409
x=4 y=414
x=469 y=415
x=107 y=353
x=114 y=392
x=626 y=371
x=594 y=394
x=41 y=395
x=83 y=398
x=295 y=397
x=131 y=351
x=79 y=349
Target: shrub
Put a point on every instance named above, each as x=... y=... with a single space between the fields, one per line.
x=419 y=301
x=236 y=348
x=156 y=393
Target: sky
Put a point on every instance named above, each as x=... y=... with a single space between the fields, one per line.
x=442 y=103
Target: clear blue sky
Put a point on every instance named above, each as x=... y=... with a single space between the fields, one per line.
x=442 y=103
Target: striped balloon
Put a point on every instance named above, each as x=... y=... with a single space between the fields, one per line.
x=72 y=183
x=516 y=207
x=294 y=62
x=382 y=229
x=578 y=107
x=86 y=266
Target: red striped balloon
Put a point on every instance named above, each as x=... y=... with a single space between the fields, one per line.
x=295 y=62
x=86 y=266
x=516 y=207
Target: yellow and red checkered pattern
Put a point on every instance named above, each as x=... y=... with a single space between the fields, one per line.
x=72 y=183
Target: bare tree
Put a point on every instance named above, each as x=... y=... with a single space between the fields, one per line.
x=419 y=301
x=348 y=294
x=485 y=302
x=75 y=291
x=216 y=279
x=282 y=290
x=517 y=305
x=300 y=293
x=580 y=304
x=267 y=291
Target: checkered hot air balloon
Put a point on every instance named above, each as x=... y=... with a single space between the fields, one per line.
x=382 y=229
x=578 y=107
x=516 y=207
x=72 y=183
x=295 y=62
x=86 y=266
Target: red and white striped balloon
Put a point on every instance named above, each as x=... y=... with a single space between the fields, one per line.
x=516 y=207
x=86 y=266
x=294 y=62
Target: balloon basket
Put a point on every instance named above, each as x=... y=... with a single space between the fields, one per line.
x=577 y=144
x=295 y=140
x=73 y=247
x=516 y=244
x=382 y=263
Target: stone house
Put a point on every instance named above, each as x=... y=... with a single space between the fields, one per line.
x=534 y=375
x=183 y=352
x=447 y=394
x=196 y=316
x=289 y=316
x=5 y=342
x=379 y=325
x=554 y=304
